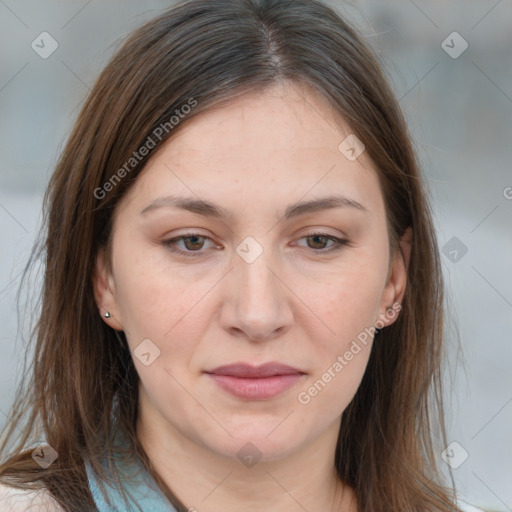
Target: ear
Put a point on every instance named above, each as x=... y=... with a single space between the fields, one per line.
x=105 y=292
x=394 y=291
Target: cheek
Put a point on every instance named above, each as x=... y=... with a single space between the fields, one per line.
x=150 y=289
x=347 y=305
x=340 y=359
x=156 y=302
x=347 y=301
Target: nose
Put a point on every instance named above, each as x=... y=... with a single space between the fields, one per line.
x=257 y=304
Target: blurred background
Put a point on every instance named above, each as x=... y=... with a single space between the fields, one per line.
x=450 y=64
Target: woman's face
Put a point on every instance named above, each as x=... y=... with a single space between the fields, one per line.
x=252 y=268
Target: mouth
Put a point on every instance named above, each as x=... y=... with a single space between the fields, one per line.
x=255 y=382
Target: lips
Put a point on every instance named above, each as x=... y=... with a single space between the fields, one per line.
x=255 y=382
x=244 y=370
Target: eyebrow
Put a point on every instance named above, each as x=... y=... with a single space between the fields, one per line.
x=208 y=209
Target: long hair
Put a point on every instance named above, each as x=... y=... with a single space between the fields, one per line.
x=82 y=386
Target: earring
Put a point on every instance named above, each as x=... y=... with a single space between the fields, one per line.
x=107 y=314
x=389 y=309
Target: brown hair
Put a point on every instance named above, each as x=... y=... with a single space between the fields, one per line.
x=83 y=384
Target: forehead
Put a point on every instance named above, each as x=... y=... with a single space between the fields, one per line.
x=283 y=118
x=281 y=144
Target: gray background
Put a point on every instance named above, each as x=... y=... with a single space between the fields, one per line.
x=460 y=113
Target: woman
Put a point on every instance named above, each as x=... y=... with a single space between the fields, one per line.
x=243 y=303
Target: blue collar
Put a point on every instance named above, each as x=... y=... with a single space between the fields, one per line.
x=141 y=489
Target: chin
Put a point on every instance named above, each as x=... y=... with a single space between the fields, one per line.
x=259 y=440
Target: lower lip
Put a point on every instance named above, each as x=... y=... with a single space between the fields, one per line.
x=256 y=388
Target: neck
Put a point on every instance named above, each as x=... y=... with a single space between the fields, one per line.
x=209 y=482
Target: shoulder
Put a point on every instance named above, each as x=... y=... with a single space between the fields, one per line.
x=21 y=500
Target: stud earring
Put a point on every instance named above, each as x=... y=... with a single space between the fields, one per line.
x=107 y=314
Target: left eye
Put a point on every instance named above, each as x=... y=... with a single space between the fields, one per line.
x=321 y=238
x=193 y=243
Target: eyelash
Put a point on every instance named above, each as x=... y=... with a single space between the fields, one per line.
x=339 y=243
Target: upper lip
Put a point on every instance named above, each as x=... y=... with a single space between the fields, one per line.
x=250 y=371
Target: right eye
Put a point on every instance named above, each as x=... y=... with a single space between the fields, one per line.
x=193 y=243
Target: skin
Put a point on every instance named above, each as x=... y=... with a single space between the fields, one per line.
x=297 y=303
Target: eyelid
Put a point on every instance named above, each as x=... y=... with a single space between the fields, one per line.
x=168 y=243
x=339 y=243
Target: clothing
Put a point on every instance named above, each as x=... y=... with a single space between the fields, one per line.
x=22 y=500
x=143 y=490
x=467 y=508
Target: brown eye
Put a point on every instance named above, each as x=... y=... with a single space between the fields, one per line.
x=318 y=241
x=192 y=243
x=195 y=242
